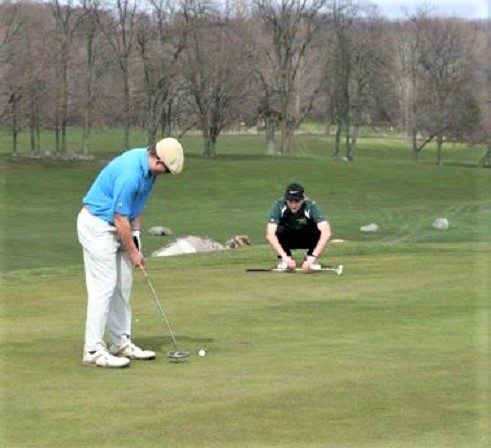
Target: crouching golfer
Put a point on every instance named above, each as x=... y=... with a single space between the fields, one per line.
x=108 y=228
x=296 y=222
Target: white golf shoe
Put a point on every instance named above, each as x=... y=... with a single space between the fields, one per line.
x=315 y=266
x=102 y=358
x=132 y=351
x=282 y=265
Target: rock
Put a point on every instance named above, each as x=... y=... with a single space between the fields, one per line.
x=238 y=241
x=188 y=245
x=441 y=224
x=159 y=231
x=370 y=228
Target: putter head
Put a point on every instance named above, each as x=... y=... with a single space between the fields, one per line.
x=177 y=356
x=339 y=270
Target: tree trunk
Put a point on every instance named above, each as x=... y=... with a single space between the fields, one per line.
x=57 y=133
x=414 y=133
x=439 y=147
x=283 y=148
x=15 y=121
x=86 y=132
x=415 y=151
x=64 y=108
x=270 y=138
x=38 y=135
x=350 y=153
x=209 y=149
x=337 y=139
x=485 y=161
x=209 y=146
x=290 y=132
x=127 y=111
x=32 y=125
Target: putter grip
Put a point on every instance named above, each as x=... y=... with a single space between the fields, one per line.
x=143 y=271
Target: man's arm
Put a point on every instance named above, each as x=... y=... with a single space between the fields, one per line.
x=325 y=230
x=123 y=226
x=325 y=236
x=275 y=244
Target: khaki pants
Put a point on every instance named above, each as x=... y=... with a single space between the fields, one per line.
x=109 y=278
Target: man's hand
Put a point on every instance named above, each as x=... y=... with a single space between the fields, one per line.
x=137 y=258
x=290 y=263
x=127 y=238
x=309 y=261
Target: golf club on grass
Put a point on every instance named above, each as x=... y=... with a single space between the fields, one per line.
x=336 y=269
x=174 y=355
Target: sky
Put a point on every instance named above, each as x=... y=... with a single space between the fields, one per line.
x=468 y=9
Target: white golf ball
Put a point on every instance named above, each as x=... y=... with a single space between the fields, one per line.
x=202 y=352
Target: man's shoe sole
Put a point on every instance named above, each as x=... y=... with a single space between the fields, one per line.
x=92 y=364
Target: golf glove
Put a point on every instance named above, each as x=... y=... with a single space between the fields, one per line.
x=137 y=239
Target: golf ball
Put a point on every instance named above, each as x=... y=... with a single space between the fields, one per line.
x=202 y=352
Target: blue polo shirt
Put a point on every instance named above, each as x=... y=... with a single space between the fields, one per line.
x=123 y=186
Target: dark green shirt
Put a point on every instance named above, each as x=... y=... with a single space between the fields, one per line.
x=308 y=214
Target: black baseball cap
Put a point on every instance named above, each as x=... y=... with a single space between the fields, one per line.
x=294 y=192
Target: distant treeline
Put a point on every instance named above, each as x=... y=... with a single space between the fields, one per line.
x=172 y=66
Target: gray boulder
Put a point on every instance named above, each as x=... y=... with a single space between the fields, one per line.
x=159 y=231
x=370 y=228
x=441 y=224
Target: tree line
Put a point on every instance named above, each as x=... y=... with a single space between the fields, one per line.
x=172 y=66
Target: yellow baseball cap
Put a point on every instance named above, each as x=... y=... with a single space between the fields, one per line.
x=169 y=150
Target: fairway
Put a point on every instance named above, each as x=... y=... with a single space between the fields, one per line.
x=393 y=353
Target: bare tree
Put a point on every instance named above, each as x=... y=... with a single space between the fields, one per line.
x=29 y=63
x=437 y=59
x=161 y=39
x=356 y=67
x=338 y=67
x=444 y=47
x=65 y=25
x=258 y=57
x=10 y=89
x=89 y=32
x=482 y=133
x=10 y=24
x=215 y=73
x=406 y=80
x=292 y=25
x=120 y=34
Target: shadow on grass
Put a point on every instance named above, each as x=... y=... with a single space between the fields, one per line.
x=157 y=343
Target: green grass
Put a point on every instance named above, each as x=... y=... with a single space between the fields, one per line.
x=232 y=194
x=392 y=354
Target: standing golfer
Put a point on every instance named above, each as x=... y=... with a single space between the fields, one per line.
x=108 y=229
x=296 y=222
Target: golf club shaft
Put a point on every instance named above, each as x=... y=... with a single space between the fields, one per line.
x=337 y=269
x=159 y=306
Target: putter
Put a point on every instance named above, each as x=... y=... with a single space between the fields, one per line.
x=336 y=269
x=176 y=354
